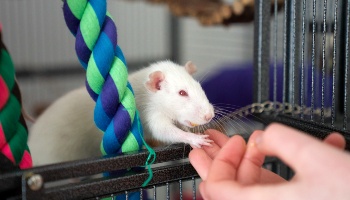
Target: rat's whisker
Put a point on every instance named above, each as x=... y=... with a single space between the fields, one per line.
x=220 y=126
x=227 y=105
x=234 y=109
x=229 y=121
x=218 y=123
x=205 y=76
x=241 y=121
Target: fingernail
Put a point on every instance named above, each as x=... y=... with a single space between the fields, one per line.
x=251 y=144
x=258 y=139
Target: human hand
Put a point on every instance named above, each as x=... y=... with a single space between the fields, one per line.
x=236 y=171
x=202 y=158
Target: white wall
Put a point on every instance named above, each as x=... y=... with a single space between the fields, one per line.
x=37 y=38
x=35 y=32
x=36 y=35
x=211 y=47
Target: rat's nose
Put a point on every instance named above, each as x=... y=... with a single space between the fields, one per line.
x=208 y=117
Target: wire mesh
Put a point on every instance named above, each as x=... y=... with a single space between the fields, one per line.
x=314 y=64
x=347 y=63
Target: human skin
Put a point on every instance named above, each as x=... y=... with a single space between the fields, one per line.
x=231 y=169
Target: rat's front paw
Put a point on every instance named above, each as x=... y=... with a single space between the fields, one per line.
x=200 y=140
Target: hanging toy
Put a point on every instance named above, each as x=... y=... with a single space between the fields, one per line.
x=106 y=76
x=13 y=129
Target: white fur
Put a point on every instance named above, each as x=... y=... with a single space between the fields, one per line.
x=159 y=110
x=66 y=131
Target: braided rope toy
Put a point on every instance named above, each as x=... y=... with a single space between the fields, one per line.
x=13 y=130
x=106 y=76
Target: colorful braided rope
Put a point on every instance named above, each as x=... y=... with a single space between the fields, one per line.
x=13 y=129
x=106 y=74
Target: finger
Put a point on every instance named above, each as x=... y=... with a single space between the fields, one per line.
x=226 y=190
x=336 y=140
x=201 y=158
x=218 y=137
x=219 y=140
x=249 y=171
x=219 y=190
x=203 y=191
x=268 y=177
x=201 y=161
x=293 y=147
x=227 y=161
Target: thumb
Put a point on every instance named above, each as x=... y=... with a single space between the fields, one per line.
x=293 y=147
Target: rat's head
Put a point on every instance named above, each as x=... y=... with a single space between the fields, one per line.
x=178 y=95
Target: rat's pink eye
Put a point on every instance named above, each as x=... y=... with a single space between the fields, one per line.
x=183 y=93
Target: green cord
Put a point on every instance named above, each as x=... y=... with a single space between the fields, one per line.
x=152 y=155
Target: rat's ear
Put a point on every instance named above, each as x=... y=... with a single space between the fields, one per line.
x=190 y=67
x=155 y=78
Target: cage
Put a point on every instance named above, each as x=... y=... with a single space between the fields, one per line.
x=301 y=61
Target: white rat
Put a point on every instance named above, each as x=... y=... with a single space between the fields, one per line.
x=166 y=94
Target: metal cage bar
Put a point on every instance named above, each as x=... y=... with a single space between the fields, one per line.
x=261 y=50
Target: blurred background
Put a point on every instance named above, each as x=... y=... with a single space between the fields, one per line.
x=42 y=47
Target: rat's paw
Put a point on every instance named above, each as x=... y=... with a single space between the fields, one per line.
x=200 y=140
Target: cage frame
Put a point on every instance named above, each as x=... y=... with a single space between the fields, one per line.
x=15 y=183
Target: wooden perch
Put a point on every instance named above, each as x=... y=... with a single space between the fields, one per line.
x=240 y=5
x=214 y=12
x=244 y=11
